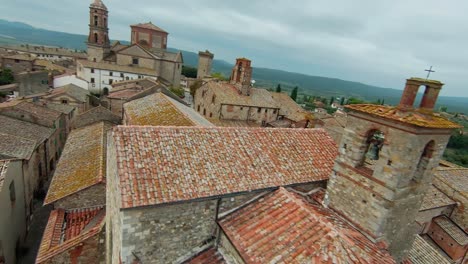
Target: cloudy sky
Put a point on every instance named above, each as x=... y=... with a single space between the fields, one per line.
x=376 y=42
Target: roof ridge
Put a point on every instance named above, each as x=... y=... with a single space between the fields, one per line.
x=170 y=100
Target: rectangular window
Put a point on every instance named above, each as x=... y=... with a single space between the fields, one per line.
x=64 y=101
x=135 y=61
x=122 y=75
x=110 y=81
x=111 y=74
x=92 y=70
x=12 y=192
x=92 y=80
x=259 y=110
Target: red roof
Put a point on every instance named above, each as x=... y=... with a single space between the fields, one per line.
x=149 y=25
x=284 y=228
x=159 y=165
x=66 y=229
x=209 y=256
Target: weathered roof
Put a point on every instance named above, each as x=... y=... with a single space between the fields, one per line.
x=30 y=131
x=49 y=65
x=423 y=253
x=149 y=25
x=167 y=55
x=227 y=93
x=434 y=198
x=290 y=109
x=24 y=57
x=3 y=170
x=94 y=115
x=42 y=115
x=67 y=229
x=159 y=110
x=82 y=163
x=208 y=256
x=62 y=108
x=283 y=227
x=117 y=68
x=17 y=147
x=452 y=229
x=72 y=90
x=159 y=165
x=46 y=50
x=98 y=4
x=455 y=178
x=409 y=117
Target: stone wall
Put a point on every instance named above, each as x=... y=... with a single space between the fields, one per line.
x=229 y=203
x=91 y=250
x=460 y=213
x=17 y=66
x=166 y=233
x=384 y=200
x=89 y=197
x=171 y=71
x=228 y=250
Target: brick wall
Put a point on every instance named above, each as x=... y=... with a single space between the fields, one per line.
x=89 y=197
x=228 y=250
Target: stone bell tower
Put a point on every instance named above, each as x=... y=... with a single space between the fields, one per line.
x=386 y=161
x=98 y=39
x=242 y=75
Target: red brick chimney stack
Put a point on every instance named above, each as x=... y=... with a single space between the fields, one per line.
x=430 y=96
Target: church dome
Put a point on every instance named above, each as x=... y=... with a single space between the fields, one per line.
x=98 y=4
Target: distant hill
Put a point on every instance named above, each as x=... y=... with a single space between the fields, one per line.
x=17 y=32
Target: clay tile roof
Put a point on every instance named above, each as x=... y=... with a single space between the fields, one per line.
x=72 y=90
x=67 y=229
x=290 y=109
x=94 y=115
x=3 y=169
x=282 y=227
x=159 y=165
x=62 y=108
x=25 y=57
x=411 y=117
x=43 y=115
x=434 y=199
x=86 y=145
x=159 y=110
x=30 y=131
x=455 y=178
x=452 y=229
x=209 y=256
x=228 y=94
x=149 y=25
x=423 y=253
x=16 y=147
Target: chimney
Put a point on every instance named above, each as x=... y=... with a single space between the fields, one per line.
x=430 y=96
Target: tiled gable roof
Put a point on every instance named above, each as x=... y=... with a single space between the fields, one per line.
x=43 y=115
x=94 y=115
x=434 y=198
x=17 y=147
x=452 y=229
x=82 y=164
x=290 y=109
x=117 y=68
x=423 y=253
x=72 y=90
x=159 y=165
x=30 y=131
x=283 y=228
x=159 y=110
x=228 y=94
x=67 y=229
x=411 y=117
x=149 y=25
x=456 y=178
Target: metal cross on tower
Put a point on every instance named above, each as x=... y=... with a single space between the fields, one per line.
x=429 y=72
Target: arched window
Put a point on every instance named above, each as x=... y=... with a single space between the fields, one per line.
x=106 y=91
x=95 y=20
x=372 y=148
x=96 y=38
x=424 y=161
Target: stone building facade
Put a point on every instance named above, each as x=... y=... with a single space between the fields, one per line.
x=205 y=61
x=146 y=56
x=382 y=197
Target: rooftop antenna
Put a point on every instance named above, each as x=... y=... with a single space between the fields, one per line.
x=429 y=72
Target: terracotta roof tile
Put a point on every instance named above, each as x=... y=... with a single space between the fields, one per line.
x=66 y=229
x=167 y=164
x=434 y=198
x=72 y=90
x=283 y=228
x=82 y=164
x=159 y=110
x=409 y=117
x=290 y=109
x=227 y=93
x=209 y=256
x=95 y=115
x=423 y=253
x=43 y=115
x=452 y=229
